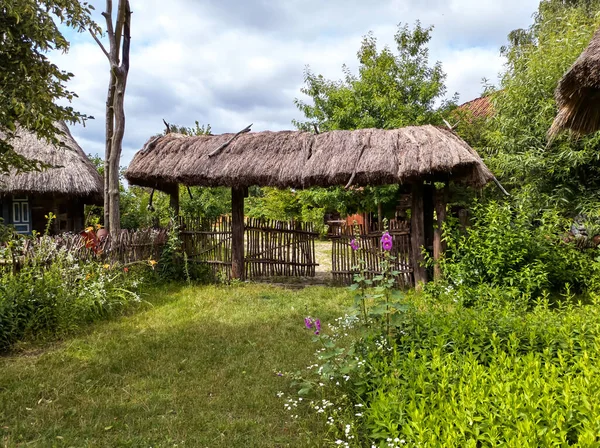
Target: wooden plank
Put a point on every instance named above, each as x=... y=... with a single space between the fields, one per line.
x=441 y=199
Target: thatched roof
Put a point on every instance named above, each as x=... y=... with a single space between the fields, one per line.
x=73 y=175
x=578 y=93
x=301 y=159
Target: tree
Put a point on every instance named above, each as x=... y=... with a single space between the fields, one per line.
x=565 y=174
x=119 y=40
x=30 y=85
x=390 y=90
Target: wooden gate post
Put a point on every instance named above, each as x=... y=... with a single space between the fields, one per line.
x=439 y=246
x=174 y=198
x=417 y=233
x=238 y=268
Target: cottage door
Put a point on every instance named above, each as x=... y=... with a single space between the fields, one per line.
x=20 y=215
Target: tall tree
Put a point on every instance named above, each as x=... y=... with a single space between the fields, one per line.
x=565 y=174
x=390 y=90
x=31 y=87
x=119 y=39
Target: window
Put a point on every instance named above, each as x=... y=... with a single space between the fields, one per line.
x=20 y=214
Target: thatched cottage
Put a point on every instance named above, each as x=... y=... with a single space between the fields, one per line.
x=578 y=93
x=26 y=198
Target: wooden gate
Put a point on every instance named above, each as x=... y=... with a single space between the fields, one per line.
x=272 y=248
x=208 y=242
x=279 y=248
x=345 y=260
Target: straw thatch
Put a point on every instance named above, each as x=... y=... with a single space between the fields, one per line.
x=301 y=159
x=73 y=173
x=578 y=94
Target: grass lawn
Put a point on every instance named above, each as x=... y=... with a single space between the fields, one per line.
x=197 y=369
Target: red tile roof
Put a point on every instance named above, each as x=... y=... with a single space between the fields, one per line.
x=479 y=107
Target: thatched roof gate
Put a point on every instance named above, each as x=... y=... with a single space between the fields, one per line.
x=297 y=159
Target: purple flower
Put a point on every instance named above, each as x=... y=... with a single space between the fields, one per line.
x=317 y=326
x=386 y=241
x=354 y=244
x=308 y=322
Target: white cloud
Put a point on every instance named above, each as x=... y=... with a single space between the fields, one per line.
x=234 y=62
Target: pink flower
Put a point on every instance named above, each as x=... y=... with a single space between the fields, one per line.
x=386 y=241
x=354 y=244
x=308 y=322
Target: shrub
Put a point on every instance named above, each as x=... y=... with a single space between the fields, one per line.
x=458 y=376
x=510 y=251
x=53 y=293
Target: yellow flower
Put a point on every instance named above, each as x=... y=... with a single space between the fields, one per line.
x=98 y=226
x=89 y=229
x=106 y=266
x=152 y=262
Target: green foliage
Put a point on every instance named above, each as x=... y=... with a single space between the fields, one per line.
x=455 y=376
x=390 y=90
x=563 y=175
x=205 y=202
x=53 y=294
x=29 y=31
x=510 y=250
x=197 y=129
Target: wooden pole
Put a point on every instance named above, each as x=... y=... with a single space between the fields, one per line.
x=439 y=246
x=237 y=233
x=174 y=199
x=417 y=234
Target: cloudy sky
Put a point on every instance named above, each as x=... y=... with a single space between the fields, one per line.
x=229 y=63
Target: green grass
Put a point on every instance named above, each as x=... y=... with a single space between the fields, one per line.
x=195 y=370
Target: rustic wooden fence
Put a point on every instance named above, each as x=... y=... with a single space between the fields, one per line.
x=279 y=248
x=131 y=246
x=345 y=260
x=208 y=242
x=272 y=248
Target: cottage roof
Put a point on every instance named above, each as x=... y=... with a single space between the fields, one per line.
x=73 y=174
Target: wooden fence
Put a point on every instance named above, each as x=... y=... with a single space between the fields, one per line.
x=208 y=242
x=131 y=246
x=345 y=260
x=272 y=248
x=279 y=248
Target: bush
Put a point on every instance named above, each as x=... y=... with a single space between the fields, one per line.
x=458 y=376
x=510 y=251
x=53 y=293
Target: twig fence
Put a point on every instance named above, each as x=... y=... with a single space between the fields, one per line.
x=272 y=248
x=131 y=246
x=345 y=260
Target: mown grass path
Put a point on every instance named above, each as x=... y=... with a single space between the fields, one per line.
x=197 y=369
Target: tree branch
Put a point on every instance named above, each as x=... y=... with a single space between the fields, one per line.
x=126 y=36
x=224 y=145
x=100 y=45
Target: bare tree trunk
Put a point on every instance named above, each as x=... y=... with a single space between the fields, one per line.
x=109 y=126
x=115 y=112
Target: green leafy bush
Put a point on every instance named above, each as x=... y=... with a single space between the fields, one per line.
x=53 y=293
x=458 y=376
x=513 y=254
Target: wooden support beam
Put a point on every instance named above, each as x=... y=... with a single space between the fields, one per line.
x=428 y=208
x=174 y=199
x=238 y=268
x=439 y=246
x=417 y=234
